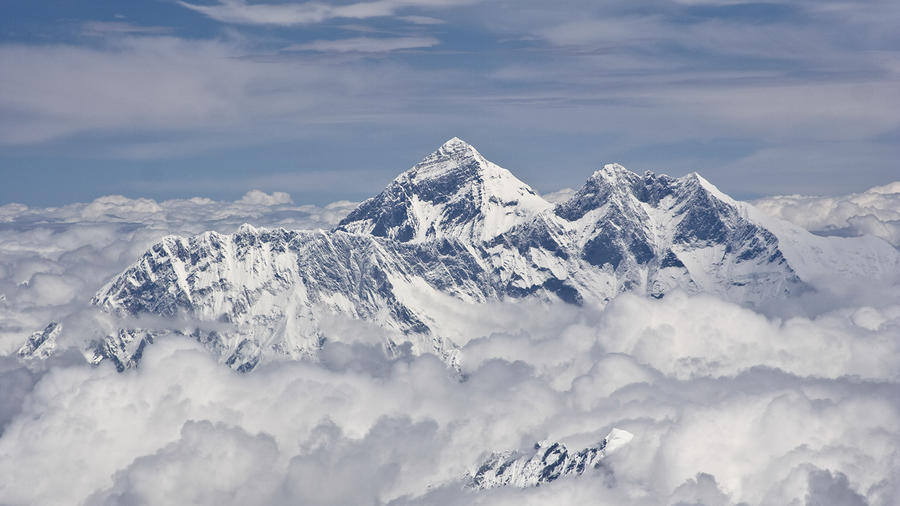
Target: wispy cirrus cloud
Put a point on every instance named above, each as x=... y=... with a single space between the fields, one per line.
x=421 y=20
x=365 y=44
x=300 y=13
x=107 y=28
x=176 y=85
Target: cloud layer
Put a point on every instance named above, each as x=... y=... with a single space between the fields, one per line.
x=363 y=429
x=727 y=405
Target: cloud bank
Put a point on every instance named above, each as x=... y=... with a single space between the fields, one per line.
x=727 y=405
x=875 y=211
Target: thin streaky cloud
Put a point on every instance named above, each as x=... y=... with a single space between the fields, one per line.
x=107 y=28
x=241 y=12
x=421 y=20
x=365 y=44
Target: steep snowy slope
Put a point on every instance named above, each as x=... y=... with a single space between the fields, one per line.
x=453 y=193
x=272 y=289
x=457 y=230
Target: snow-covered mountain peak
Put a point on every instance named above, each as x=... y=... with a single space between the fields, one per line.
x=612 y=184
x=711 y=189
x=454 y=192
x=455 y=158
x=457 y=146
x=613 y=177
x=613 y=172
x=617 y=187
x=247 y=229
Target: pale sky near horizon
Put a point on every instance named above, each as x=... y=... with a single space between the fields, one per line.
x=330 y=100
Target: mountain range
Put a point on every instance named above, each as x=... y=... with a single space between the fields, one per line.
x=453 y=231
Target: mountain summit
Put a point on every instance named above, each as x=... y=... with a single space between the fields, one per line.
x=454 y=192
x=454 y=231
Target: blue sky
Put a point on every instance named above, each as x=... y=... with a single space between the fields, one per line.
x=329 y=100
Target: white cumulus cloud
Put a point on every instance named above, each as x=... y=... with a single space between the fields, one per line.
x=875 y=211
